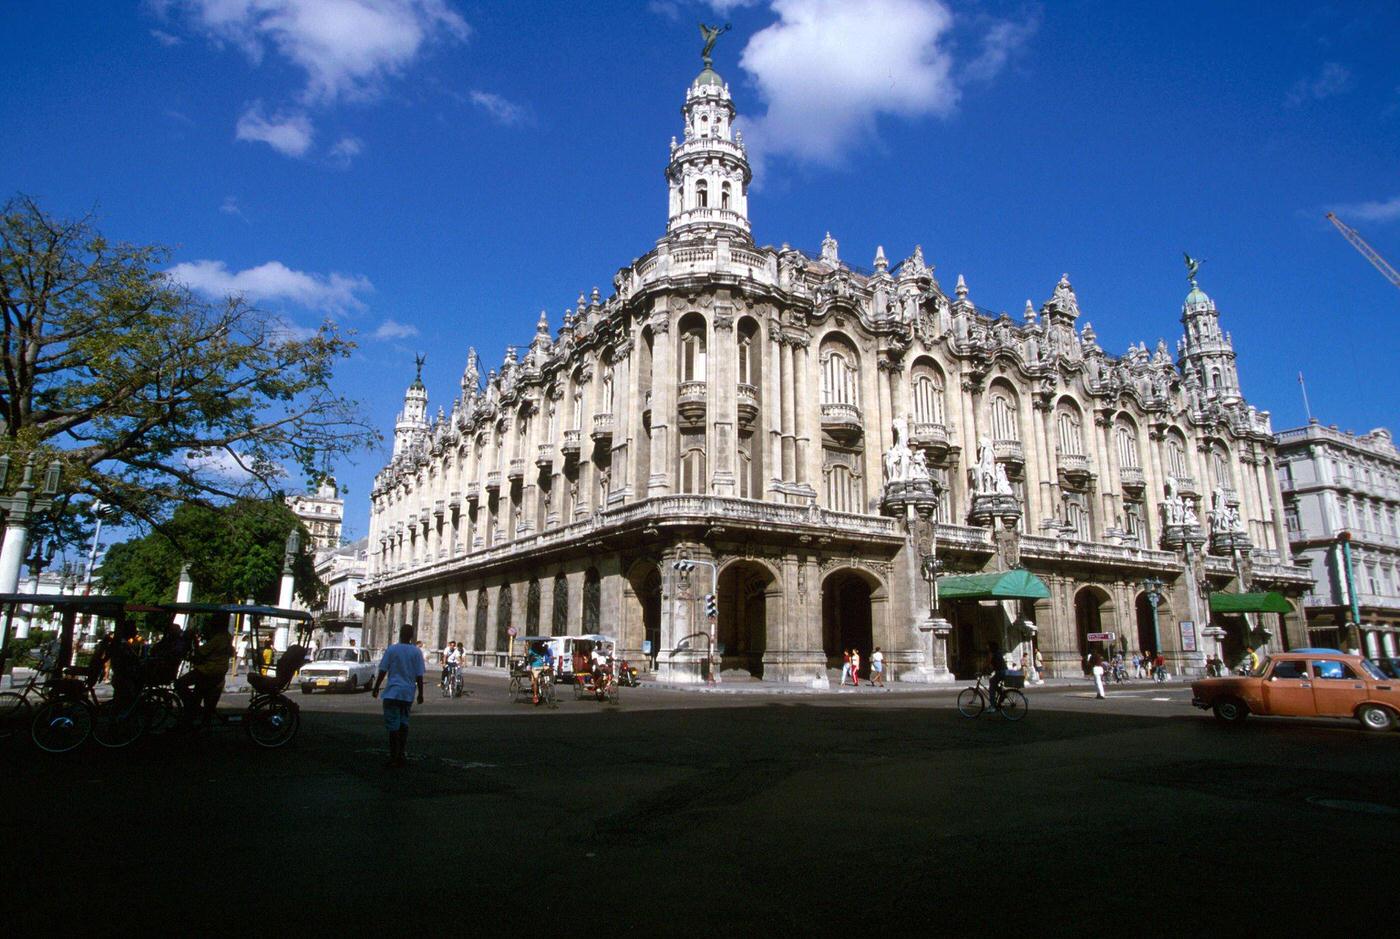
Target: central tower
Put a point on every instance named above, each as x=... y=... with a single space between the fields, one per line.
x=708 y=176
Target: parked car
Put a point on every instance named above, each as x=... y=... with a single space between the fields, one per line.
x=338 y=668
x=1305 y=684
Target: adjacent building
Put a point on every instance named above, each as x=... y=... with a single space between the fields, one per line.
x=342 y=571
x=1341 y=495
x=322 y=512
x=814 y=443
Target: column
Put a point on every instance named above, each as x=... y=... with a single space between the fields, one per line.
x=805 y=415
x=786 y=389
x=721 y=412
x=772 y=408
x=663 y=400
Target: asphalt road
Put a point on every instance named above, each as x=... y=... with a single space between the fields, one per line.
x=686 y=813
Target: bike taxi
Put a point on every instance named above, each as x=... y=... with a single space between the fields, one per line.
x=593 y=666
x=534 y=670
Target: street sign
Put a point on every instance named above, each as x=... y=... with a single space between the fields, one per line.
x=1102 y=637
x=511 y=632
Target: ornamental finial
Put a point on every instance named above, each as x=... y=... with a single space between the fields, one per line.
x=711 y=34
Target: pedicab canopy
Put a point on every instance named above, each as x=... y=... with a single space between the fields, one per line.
x=1222 y=602
x=1002 y=585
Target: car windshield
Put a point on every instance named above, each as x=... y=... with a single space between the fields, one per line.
x=1370 y=669
x=337 y=655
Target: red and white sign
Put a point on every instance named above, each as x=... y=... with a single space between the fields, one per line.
x=511 y=632
x=1102 y=637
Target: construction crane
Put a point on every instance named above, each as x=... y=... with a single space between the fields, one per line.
x=1368 y=252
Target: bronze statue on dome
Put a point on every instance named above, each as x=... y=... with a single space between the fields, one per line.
x=711 y=34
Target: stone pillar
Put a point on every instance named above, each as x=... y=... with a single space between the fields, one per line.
x=803 y=414
x=1109 y=481
x=773 y=409
x=722 y=402
x=786 y=389
x=663 y=400
x=682 y=653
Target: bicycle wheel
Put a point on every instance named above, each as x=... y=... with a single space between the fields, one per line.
x=273 y=721
x=971 y=702
x=61 y=726
x=547 y=692
x=1013 y=704
x=14 y=714
x=160 y=709
x=515 y=686
x=115 y=728
x=612 y=692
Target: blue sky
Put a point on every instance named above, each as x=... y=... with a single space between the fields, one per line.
x=432 y=173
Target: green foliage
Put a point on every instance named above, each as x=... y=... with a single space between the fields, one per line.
x=151 y=397
x=235 y=554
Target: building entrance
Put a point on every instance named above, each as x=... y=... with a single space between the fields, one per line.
x=1092 y=614
x=742 y=629
x=846 y=618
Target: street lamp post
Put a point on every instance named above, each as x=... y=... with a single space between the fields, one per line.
x=1153 y=588
x=21 y=508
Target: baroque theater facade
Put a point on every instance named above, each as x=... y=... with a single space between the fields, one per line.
x=811 y=442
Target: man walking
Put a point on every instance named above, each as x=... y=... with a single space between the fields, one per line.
x=403 y=665
x=1096 y=666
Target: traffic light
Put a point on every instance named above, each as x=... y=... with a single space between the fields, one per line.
x=711 y=606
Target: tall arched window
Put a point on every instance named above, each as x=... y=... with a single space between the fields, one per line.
x=745 y=468
x=1077 y=515
x=503 y=614
x=607 y=390
x=1071 y=433
x=577 y=416
x=745 y=351
x=1127 y=446
x=592 y=600
x=842 y=489
x=1176 y=457
x=693 y=349
x=1005 y=423
x=1220 y=463
x=724 y=196
x=928 y=395
x=693 y=467
x=559 y=619
x=840 y=377
x=702 y=194
x=479 y=628
x=532 y=607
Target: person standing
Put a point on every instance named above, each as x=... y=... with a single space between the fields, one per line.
x=855 y=667
x=403 y=666
x=1039 y=668
x=1096 y=667
x=877 y=668
x=845 y=665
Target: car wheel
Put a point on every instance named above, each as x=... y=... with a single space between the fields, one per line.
x=354 y=683
x=305 y=689
x=1230 y=710
x=1375 y=717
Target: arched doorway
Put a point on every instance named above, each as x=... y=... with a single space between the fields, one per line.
x=1093 y=609
x=848 y=620
x=745 y=590
x=1146 y=638
x=644 y=586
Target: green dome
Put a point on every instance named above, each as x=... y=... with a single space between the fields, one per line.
x=708 y=77
x=1196 y=297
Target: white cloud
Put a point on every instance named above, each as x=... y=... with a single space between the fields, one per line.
x=999 y=43
x=345 y=48
x=724 y=6
x=331 y=293
x=1334 y=79
x=164 y=38
x=228 y=467
x=666 y=8
x=230 y=206
x=346 y=149
x=1386 y=211
x=827 y=69
x=501 y=110
x=288 y=134
x=393 y=329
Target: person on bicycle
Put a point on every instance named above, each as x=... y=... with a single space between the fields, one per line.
x=537 y=661
x=450 y=658
x=452 y=675
x=117 y=652
x=204 y=682
x=996 y=667
x=599 y=662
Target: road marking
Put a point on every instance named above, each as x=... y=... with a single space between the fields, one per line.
x=1161 y=699
x=1349 y=805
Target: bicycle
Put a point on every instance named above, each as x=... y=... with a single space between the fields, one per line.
x=1011 y=702
x=451 y=683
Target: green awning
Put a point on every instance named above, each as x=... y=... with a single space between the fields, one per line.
x=1249 y=603
x=1004 y=585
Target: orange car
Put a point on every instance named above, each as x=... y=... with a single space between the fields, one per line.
x=1305 y=684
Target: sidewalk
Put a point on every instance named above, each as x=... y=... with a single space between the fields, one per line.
x=759 y=687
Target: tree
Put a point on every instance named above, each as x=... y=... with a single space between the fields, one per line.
x=235 y=553
x=151 y=397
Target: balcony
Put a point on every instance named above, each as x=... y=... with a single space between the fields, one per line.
x=1186 y=485
x=1133 y=480
x=1012 y=454
x=602 y=429
x=544 y=457
x=690 y=401
x=570 y=445
x=930 y=437
x=493 y=481
x=1074 y=469
x=439 y=509
x=473 y=495
x=517 y=470
x=842 y=422
x=747 y=403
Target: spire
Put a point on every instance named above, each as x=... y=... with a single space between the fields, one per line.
x=961 y=288
x=708 y=175
x=413 y=419
x=830 y=250
x=1029 y=314
x=882 y=263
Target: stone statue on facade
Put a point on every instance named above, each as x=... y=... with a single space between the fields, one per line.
x=1193 y=266
x=918 y=467
x=1224 y=517
x=984 y=474
x=1002 y=483
x=992 y=496
x=1173 y=506
x=899 y=456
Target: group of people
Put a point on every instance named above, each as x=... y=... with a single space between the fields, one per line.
x=850 y=667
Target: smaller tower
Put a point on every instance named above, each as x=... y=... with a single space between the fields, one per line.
x=413 y=419
x=1204 y=347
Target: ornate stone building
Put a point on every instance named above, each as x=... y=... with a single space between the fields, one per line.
x=814 y=437
x=1341 y=507
x=322 y=512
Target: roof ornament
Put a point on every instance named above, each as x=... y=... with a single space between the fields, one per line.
x=1192 y=266
x=882 y=263
x=961 y=288
x=711 y=34
x=830 y=250
x=1029 y=315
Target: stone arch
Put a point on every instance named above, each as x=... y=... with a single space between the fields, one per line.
x=692 y=332
x=749 y=599
x=1094 y=612
x=592 y=600
x=559 y=614
x=483 y=603
x=927 y=386
x=532 y=606
x=642 y=608
x=1070 y=435
x=1004 y=419
x=504 y=603
x=854 y=610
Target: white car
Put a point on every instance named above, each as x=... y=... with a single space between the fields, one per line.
x=338 y=668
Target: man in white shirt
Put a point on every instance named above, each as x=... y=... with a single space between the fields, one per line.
x=403 y=666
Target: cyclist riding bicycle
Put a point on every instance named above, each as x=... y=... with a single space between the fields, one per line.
x=451 y=662
x=599 y=662
x=996 y=667
x=537 y=661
